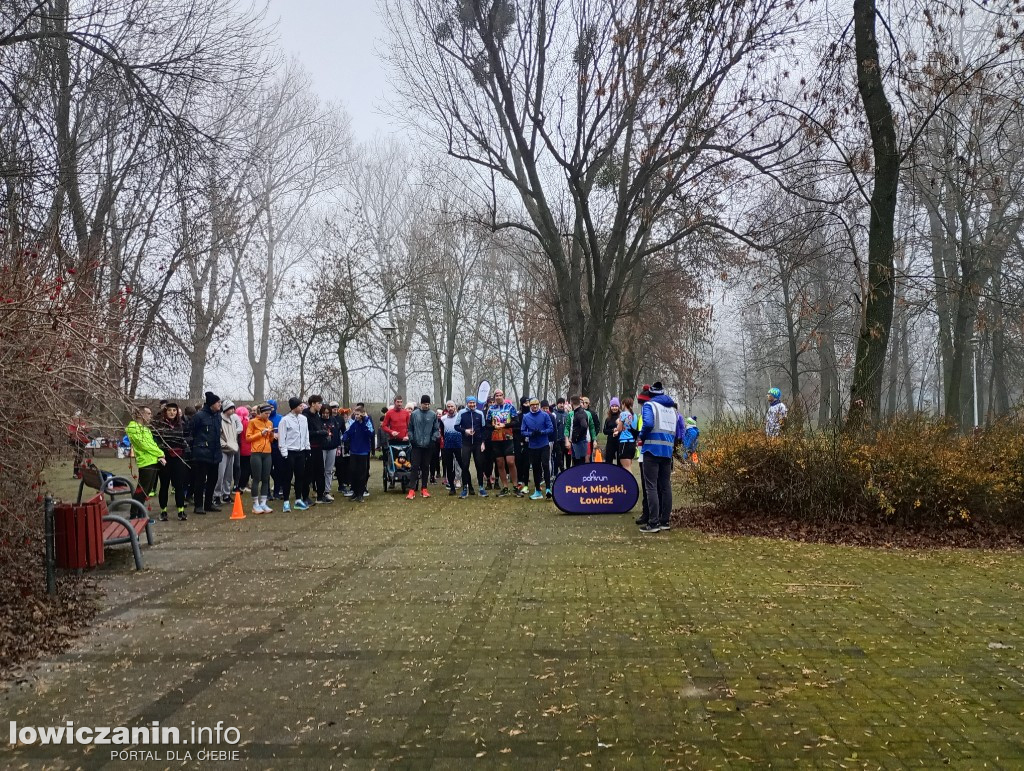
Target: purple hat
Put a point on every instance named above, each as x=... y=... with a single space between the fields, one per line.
x=614 y=402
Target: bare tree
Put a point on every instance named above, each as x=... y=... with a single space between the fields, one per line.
x=299 y=149
x=596 y=117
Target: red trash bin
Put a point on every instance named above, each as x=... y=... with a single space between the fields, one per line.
x=78 y=534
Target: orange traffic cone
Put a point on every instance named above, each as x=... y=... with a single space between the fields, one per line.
x=598 y=457
x=236 y=510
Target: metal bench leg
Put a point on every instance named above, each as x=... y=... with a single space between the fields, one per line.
x=149 y=532
x=131 y=535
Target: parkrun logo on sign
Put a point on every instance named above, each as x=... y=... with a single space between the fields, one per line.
x=595 y=488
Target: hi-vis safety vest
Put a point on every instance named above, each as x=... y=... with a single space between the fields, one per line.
x=662 y=439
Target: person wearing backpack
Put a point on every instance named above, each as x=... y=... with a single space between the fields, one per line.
x=579 y=432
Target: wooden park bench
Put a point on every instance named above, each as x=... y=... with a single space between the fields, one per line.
x=110 y=485
x=118 y=525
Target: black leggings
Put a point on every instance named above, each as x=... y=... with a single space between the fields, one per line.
x=174 y=472
x=472 y=450
x=315 y=472
x=296 y=461
x=147 y=481
x=540 y=459
x=246 y=472
x=435 y=460
x=359 y=472
x=204 y=481
x=421 y=457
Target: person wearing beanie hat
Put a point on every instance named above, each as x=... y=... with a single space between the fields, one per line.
x=260 y=436
x=230 y=427
x=611 y=430
x=278 y=466
x=293 y=441
x=206 y=453
x=424 y=431
x=658 y=435
x=470 y=425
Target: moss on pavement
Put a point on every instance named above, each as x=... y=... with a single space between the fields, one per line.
x=435 y=633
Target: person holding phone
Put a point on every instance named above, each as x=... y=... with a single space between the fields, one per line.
x=260 y=435
x=359 y=439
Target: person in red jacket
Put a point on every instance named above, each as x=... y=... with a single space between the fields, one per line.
x=78 y=438
x=396 y=422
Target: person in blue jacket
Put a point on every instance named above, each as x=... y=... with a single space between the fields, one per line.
x=470 y=424
x=690 y=436
x=538 y=429
x=358 y=438
x=659 y=437
x=279 y=470
x=451 y=451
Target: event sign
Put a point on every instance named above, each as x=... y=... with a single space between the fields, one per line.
x=595 y=488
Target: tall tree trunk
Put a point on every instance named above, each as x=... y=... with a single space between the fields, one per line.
x=197 y=371
x=468 y=380
x=343 y=369
x=892 y=401
x=908 y=374
x=876 y=322
x=1001 y=397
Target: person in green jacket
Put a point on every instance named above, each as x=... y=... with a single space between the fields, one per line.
x=148 y=454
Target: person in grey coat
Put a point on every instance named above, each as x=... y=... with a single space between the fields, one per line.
x=424 y=431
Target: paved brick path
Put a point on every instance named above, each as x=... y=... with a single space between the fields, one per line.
x=500 y=633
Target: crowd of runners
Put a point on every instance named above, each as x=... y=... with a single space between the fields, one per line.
x=205 y=454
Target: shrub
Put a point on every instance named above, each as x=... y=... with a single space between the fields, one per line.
x=913 y=472
x=53 y=353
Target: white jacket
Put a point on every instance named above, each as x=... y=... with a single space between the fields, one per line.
x=293 y=433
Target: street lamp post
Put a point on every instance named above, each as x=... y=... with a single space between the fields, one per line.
x=389 y=333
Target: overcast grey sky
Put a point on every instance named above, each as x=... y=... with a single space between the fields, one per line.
x=337 y=41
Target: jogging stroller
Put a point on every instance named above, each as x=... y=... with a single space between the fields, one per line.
x=397 y=465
